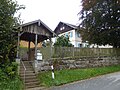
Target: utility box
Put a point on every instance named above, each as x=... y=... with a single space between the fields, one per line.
x=39 y=55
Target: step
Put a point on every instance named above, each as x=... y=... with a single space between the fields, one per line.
x=36 y=88
x=29 y=77
x=27 y=69
x=32 y=86
x=32 y=83
x=27 y=63
x=27 y=66
x=27 y=74
x=22 y=72
x=31 y=80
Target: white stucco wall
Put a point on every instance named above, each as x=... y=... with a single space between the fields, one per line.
x=74 y=39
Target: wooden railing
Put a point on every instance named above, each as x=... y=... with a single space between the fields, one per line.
x=61 y=52
x=85 y=52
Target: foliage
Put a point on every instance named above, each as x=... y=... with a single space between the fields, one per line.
x=10 y=70
x=14 y=84
x=101 y=22
x=3 y=76
x=71 y=75
x=8 y=40
x=63 y=42
x=9 y=79
x=8 y=24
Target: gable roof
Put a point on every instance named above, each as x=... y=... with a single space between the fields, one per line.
x=30 y=29
x=39 y=22
x=71 y=25
x=67 y=26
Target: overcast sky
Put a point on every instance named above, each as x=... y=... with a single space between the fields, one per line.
x=51 y=11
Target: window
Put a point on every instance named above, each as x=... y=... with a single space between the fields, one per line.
x=66 y=35
x=62 y=28
x=71 y=34
x=78 y=34
x=79 y=45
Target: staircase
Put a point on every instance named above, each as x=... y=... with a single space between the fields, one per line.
x=28 y=76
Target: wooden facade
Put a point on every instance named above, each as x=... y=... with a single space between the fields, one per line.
x=36 y=27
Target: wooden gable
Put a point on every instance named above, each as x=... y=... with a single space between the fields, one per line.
x=63 y=27
x=36 y=27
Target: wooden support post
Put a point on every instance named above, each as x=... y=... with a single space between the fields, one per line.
x=35 y=62
x=36 y=37
x=18 y=53
x=18 y=46
x=50 y=48
x=29 y=50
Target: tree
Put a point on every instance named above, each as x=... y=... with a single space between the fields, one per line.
x=101 y=22
x=63 y=42
x=8 y=24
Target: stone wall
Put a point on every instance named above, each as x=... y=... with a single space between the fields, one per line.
x=84 y=62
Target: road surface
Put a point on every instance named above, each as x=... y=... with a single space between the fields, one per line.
x=105 y=82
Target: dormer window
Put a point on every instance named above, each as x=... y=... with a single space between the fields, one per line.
x=62 y=28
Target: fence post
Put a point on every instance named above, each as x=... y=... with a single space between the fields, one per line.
x=73 y=52
x=53 y=76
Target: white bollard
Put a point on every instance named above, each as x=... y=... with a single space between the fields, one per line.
x=53 y=76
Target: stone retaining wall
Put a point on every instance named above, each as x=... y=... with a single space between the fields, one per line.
x=84 y=62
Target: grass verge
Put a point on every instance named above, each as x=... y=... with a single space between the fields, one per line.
x=70 y=75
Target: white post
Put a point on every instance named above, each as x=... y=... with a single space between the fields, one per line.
x=53 y=76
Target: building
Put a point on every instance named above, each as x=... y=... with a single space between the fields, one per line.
x=70 y=31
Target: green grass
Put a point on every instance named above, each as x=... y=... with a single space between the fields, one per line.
x=14 y=84
x=67 y=76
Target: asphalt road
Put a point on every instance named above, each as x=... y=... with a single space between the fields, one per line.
x=106 y=82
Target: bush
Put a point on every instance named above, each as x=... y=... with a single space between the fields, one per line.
x=9 y=79
x=11 y=70
x=2 y=76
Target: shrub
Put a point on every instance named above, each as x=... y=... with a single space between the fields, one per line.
x=11 y=70
x=2 y=76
